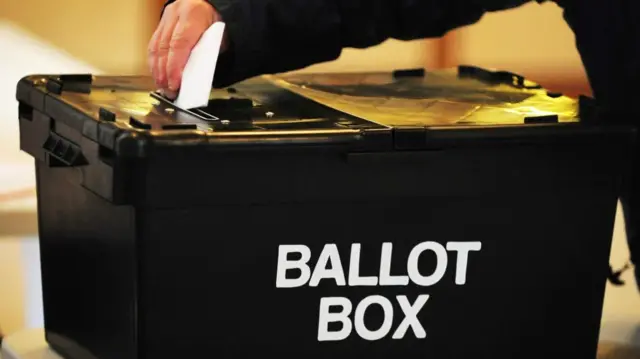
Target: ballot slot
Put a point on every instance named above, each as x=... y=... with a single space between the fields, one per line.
x=198 y=113
x=220 y=114
x=267 y=110
x=231 y=108
x=204 y=115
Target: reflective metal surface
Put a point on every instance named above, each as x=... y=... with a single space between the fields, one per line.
x=437 y=99
x=340 y=103
x=274 y=109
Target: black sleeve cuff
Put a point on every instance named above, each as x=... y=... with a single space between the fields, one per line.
x=273 y=36
x=607 y=37
x=229 y=68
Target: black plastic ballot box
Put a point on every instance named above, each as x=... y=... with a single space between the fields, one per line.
x=451 y=214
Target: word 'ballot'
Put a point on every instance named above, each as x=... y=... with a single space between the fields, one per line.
x=329 y=266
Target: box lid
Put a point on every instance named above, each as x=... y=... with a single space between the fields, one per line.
x=365 y=111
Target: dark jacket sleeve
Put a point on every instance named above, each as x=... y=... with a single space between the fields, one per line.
x=274 y=36
x=608 y=39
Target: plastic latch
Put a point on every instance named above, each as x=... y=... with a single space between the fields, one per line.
x=106 y=115
x=77 y=78
x=409 y=73
x=80 y=83
x=135 y=123
x=180 y=126
x=62 y=153
x=54 y=86
x=495 y=77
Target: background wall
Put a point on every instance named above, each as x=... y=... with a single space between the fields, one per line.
x=532 y=40
x=110 y=35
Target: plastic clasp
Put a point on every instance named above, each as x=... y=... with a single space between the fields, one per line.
x=496 y=77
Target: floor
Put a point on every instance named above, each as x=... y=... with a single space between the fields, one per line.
x=621 y=318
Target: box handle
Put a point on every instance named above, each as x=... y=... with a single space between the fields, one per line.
x=61 y=152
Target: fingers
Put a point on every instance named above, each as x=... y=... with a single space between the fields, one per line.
x=180 y=28
x=184 y=39
x=164 y=46
x=153 y=49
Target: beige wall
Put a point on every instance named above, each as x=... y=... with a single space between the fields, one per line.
x=110 y=35
x=533 y=40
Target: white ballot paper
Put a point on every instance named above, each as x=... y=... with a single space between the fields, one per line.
x=197 y=77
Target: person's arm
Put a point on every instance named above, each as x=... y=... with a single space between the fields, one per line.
x=274 y=36
x=608 y=39
x=271 y=36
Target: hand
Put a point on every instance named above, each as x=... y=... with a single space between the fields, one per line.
x=182 y=25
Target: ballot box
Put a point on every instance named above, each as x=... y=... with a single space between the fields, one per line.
x=462 y=213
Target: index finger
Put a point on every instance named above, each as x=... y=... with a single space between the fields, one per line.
x=153 y=47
